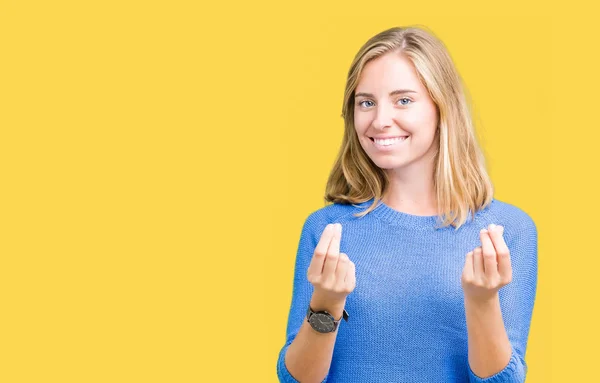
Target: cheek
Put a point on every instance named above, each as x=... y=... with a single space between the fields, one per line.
x=361 y=126
x=361 y=121
x=422 y=119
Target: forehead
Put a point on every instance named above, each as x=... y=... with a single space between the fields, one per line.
x=387 y=72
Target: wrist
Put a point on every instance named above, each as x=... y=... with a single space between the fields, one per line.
x=335 y=308
x=483 y=302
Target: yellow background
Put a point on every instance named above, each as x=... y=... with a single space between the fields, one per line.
x=158 y=159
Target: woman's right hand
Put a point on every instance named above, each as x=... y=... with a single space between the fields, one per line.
x=332 y=274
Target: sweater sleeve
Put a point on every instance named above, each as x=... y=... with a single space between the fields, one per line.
x=517 y=300
x=301 y=291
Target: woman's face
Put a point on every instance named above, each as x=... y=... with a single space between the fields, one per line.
x=391 y=103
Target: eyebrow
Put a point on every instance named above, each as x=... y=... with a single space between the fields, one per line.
x=393 y=93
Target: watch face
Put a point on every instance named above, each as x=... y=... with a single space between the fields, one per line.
x=322 y=322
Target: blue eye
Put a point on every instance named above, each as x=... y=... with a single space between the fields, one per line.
x=402 y=103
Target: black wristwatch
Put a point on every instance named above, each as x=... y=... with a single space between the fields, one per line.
x=323 y=321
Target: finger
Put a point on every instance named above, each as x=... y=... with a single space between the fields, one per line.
x=342 y=267
x=504 y=265
x=318 y=259
x=351 y=275
x=332 y=257
x=468 y=269
x=490 y=263
x=334 y=245
x=478 y=271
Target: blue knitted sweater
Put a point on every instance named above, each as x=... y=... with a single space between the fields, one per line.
x=407 y=319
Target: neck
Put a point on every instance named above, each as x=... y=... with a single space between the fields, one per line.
x=413 y=195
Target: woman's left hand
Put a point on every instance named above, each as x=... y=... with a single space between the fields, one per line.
x=487 y=268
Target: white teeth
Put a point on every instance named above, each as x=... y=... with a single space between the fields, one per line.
x=388 y=141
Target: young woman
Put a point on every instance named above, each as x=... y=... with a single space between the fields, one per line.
x=433 y=279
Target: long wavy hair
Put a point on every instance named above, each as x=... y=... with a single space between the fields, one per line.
x=461 y=181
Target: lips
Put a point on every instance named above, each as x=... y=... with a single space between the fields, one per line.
x=388 y=140
x=387 y=145
x=387 y=137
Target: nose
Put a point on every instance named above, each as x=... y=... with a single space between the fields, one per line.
x=384 y=117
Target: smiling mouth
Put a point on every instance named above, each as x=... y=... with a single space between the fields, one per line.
x=388 y=141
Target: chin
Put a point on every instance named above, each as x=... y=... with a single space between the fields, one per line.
x=389 y=165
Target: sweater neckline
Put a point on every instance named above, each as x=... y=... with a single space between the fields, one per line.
x=399 y=218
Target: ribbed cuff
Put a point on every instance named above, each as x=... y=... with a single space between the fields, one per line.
x=282 y=372
x=514 y=372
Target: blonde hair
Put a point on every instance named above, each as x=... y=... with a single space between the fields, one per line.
x=461 y=182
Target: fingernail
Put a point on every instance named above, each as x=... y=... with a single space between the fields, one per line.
x=492 y=227
x=483 y=231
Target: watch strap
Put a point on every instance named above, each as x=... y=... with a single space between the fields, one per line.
x=345 y=315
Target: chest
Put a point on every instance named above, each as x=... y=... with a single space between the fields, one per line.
x=409 y=274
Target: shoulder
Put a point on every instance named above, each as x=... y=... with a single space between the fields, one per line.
x=332 y=213
x=510 y=215
x=519 y=226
